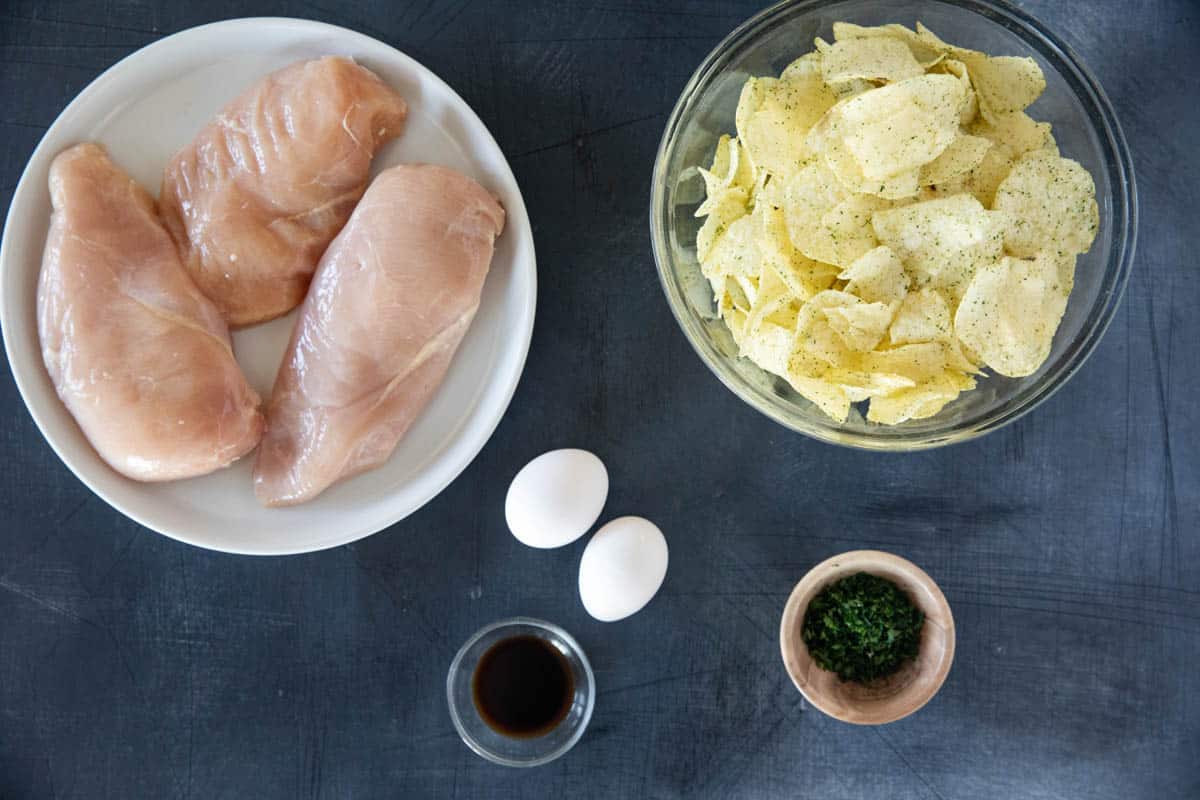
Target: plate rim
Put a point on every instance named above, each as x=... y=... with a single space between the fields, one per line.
x=459 y=461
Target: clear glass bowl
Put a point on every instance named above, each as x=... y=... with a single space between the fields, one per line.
x=1084 y=125
x=506 y=750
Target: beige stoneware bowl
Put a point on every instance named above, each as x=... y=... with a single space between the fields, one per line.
x=891 y=698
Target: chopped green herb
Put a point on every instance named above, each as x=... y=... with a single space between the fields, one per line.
x=862 y=627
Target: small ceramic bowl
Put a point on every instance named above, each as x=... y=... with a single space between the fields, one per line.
x=888 y=699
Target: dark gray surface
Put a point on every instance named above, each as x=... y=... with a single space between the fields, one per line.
x=133 y=666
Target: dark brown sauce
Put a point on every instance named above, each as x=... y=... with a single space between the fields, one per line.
x=523 y=687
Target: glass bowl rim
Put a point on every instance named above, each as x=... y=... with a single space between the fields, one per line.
x=1118 y=163
x=577 y=652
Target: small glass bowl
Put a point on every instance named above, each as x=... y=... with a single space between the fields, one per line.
x=506 y=750
x=1086 y=129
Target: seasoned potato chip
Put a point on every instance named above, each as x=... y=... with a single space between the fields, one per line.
x=861 y=325
x=847 y=228
x=735 y=251
x=720 y=163
x=847 y=89
x=730 y=207
x=805 y=67
x=803 y=276
x=716 y=193
x=824 y=221
x=808 y=196
x=773 y=117
x=878 y=58
x=925 y=319
x=828 y=397
x=919 y=402
x=814 y=335
x=876 y=276
x=1015 y=134
x=898 y=127
x=917 y=362
x=1051 y=205
x=1005 y=84
x=927 y=56
x=1010 y=312
x=964 y=154
x=769 y=346
x=849 y=174
x=860 y=385
x=811 y=312
x=942 y=242
x=968 y=110
x=754 y=91
x=924 y=316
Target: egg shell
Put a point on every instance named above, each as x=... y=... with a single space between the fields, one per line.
x=556 y=498
x=622 y=568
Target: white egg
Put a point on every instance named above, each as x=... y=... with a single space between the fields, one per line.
x=556 y=498
x=622 y=567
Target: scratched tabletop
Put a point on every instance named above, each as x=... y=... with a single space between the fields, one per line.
x=1068 y=544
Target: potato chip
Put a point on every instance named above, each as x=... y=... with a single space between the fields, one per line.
x=824 y=221
x=729 y=207
x=847 y=228
x=919 y=402
x=1005 y=84
x=733 y=316
x=924 y=54
x=968 y=110
x=808 y=196
x=805 y=67
x=942 y=242
x=717 y=192
x=964 y=154
x=769 y=346
x=923 y=316
x=876 y=276
x=828 y=397
x=721 y=160
x=773 y=117
x=918 y=362
x=1015 y=134
x=1011 y=311
x=814 y=335
x=735 y=251
x=861 y=325
x=898 y=127
x=876 y=59
x=1050 y=202
x=980 y=182
x=803 y=276
x=842 y=163
x=860 y=385
x=771 y=294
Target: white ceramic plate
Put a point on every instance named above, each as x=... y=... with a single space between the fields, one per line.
x=144 y=109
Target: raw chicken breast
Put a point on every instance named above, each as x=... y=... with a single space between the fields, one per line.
x=255 y=199
x=390 y=302
x=139 y=356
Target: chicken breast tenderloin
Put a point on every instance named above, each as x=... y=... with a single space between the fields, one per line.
x=139 y=356
x=255 y=199
x=389 y=304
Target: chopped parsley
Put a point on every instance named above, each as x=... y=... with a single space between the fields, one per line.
x=862 y=627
